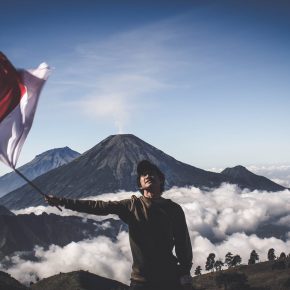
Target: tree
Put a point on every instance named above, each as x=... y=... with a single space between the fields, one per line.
x=228 y=259
x=218 y=265
x=253 y=258
x=237 y=260
x=271 y=255
x=197 y=271
x=282 y=256
x=210 y=262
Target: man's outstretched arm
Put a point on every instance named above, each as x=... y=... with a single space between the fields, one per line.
x=97 y=207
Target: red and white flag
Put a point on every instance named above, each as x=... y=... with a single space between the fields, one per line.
x=19 y=93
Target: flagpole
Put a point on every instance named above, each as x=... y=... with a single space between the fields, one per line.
x=33 y=185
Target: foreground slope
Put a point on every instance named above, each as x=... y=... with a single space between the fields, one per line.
x=261 y=276
x=9 y=283
x=78 y=280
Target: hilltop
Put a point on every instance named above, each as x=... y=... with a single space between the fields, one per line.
x=260 y=276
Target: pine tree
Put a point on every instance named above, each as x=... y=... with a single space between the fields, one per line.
x=210 y=262
x=228 y=259
x=197 y=271
x=271 y=255
x=237 y=260
x=218 y=265
x=253 y=257
x=282 y=256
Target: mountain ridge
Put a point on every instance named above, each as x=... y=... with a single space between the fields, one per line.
x=82 y=280
x=21 y=233
x=39 y=165
x=251 y=180
x=110 y=166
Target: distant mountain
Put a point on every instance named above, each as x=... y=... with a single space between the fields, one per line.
x=41 y=164
x=110 y=166
x=82 y=280
x=241 y=175
x=21 y=233
x=9 y=283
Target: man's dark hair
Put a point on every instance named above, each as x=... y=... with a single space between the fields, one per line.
x=146 y=166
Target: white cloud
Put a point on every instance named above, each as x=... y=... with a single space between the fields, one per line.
x=100 y=256
x=218 y=222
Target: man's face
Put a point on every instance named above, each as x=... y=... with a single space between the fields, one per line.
x=150 y=181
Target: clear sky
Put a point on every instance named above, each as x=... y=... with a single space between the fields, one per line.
x=207 y=82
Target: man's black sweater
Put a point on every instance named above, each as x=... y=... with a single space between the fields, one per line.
x=156 y=226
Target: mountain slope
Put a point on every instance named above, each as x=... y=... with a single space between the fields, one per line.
x=5 y=211
x=9 y=283
x=41 y=164
x=240 y=174
x=110 y=166
x=269 y=275
x=80 y=280
x=23 y=232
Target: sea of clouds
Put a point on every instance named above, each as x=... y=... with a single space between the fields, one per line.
x=220 y=220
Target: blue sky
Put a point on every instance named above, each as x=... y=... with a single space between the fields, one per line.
x=204 y=81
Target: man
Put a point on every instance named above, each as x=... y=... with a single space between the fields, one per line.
x=156 y=226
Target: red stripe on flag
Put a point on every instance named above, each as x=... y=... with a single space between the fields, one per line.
x=11 y=88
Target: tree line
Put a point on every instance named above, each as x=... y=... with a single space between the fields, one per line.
x=231 y=261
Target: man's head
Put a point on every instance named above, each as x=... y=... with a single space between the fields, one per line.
x=149 y=177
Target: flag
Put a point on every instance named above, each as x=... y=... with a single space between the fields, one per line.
x=19 y=94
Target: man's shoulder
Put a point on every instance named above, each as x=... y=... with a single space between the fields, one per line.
x=130 y=201
x=171 y=202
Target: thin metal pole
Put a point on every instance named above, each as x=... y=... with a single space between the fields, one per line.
x=34 y=186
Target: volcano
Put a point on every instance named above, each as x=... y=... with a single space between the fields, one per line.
x=110 y=166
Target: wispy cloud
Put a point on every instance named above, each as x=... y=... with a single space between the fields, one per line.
x=127 y=69
x=118 y=98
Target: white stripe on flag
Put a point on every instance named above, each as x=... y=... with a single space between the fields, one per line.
x=15 y=127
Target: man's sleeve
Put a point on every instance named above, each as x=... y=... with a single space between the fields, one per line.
x=98 y=207
x=183 y=247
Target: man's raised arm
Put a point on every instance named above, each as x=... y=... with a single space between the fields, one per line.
x=98 y=207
